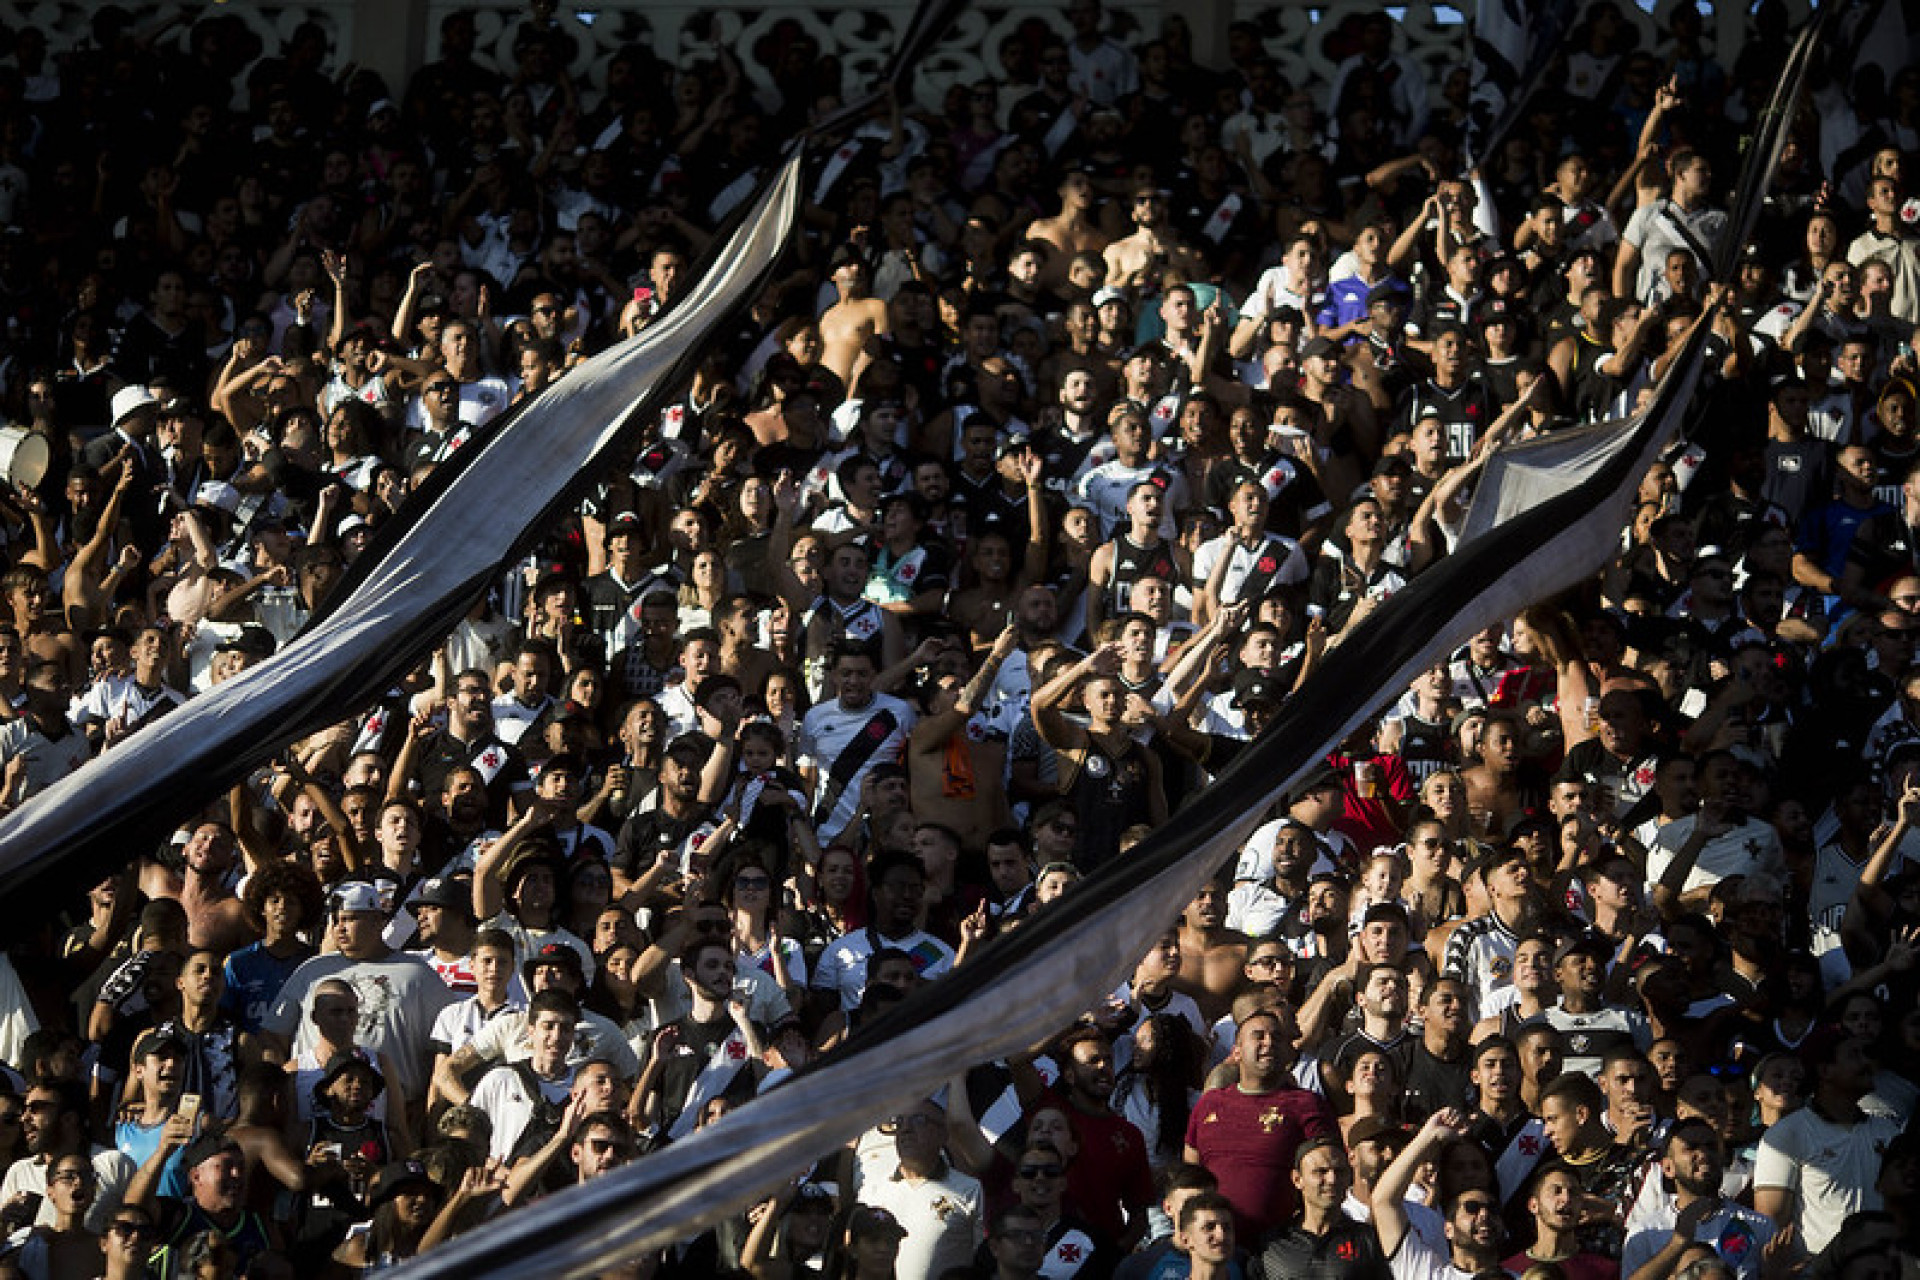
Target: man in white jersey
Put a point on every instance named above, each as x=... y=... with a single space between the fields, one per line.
x=841 y=740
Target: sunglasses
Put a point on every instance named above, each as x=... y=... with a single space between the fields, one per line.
x=1039 y=1171
x=602 y=1146
x=131 y=1230
x=896 y=1123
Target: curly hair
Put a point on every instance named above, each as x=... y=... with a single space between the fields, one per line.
x=294 y=880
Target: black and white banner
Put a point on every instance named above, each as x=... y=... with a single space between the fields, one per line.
x=480 y=510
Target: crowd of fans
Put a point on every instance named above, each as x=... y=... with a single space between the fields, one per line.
x=1086 y=415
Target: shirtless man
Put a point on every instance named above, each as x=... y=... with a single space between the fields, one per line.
x=216 y=920
x=26 y=593
x=1152 y=246
x=736 y=619
x=1070 y=231
x=954 y=778
x=1212 y=956
x=988 y=605
x=848 y=323
x=1493 y=785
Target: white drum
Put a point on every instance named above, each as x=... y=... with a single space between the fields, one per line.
x=24 y=457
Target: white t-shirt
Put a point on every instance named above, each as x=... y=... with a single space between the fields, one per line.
x=842 y=967
x=1279 y=560
x=400 y=997
x=502 y=1095
x=506 y=1039
x=459 y=1023
x=1418 y=1259
x=1831 y=1168
x=47 y=761
x=942 y=1217
x=830 y=730
x=1737 y=1234
x=1105 y=489
x=1751 y=848
x=112 y=1170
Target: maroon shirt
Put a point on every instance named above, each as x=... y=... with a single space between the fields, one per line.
x=1110 y=1181
x=1247 y=1141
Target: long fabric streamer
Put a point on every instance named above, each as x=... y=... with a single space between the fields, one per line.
x=479 y=510
x=483 y=507
x=1769 y=139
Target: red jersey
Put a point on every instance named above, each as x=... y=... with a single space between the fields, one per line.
x=1110 y=1181
x=1247 y=1141
x=1366 y=819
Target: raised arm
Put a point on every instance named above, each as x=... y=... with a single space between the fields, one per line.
x=932 y=732
x=335 y=265
x=1055 y=729
x=489 y=869
x=1389 y=1200
x=403 y=314
x=45 y=555
x=965 y=1143
x=786 y=505
x=1033 y=564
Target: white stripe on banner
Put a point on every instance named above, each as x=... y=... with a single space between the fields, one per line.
x=499 y=488
x=1028 y=985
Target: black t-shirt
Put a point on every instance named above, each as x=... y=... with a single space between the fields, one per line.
x=1433 y=1084
x=1882 y=549
x=645 y=835
x=684 y=1047
x=1466 y=410
x=606 y=599
x=1294 y=498
x=1348 y=1251
x=501 y=767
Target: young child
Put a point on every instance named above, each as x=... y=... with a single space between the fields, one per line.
x=765 y=792
x=1382 y=879
x=345 y=1144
